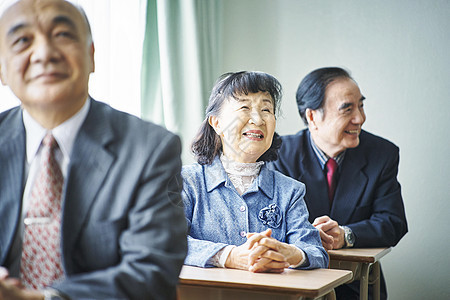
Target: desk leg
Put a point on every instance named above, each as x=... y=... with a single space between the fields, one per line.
x=375 y=280
x=364 y=282
x=331 y=295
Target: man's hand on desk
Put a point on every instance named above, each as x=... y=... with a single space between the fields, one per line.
x=12 y=288
x=331 y=234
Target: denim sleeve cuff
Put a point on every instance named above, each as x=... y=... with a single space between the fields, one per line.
x=224 y=255
x=219 y=259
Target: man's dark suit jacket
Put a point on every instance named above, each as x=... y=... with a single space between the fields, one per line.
x=123 y=232
x=368 y=196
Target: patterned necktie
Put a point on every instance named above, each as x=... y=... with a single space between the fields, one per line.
x=332 y=167
x=41 y=252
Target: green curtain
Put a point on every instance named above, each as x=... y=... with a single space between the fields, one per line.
x=181 y=61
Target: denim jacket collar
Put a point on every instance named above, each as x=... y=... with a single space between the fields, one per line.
x=214 y=174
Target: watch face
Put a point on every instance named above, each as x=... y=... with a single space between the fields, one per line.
x=349 y=237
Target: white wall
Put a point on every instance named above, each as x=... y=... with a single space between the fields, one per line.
x=398 y=52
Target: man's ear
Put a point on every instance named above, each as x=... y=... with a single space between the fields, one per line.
x=214 y=122
x=310 y=118
x=91 y=53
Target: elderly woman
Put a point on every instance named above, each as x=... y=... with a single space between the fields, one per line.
x=241 y=214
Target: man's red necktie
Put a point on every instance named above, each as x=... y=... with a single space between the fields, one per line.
x=332 y=167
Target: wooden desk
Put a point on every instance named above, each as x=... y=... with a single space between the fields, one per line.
x=364 y=263
x=218 y=283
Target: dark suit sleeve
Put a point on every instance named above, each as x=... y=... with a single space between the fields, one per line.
x=387 y=222
x=152 y=244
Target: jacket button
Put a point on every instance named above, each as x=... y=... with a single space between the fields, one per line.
x=242 y=208
x=243 y=233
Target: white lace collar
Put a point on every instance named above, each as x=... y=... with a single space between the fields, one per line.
x=241 y=175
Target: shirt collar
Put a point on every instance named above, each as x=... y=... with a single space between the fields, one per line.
x=64 y=133
x=322 y=157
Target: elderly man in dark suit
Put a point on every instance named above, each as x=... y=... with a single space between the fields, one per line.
x=352 y=192
x=89 y=196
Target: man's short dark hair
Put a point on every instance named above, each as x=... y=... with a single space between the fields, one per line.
x=311 y=90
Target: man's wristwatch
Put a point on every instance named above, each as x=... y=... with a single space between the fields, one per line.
x=349 y=237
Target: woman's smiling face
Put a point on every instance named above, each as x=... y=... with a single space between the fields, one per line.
x=246 y=125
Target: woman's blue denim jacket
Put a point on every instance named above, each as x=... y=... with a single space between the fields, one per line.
x=218 y=216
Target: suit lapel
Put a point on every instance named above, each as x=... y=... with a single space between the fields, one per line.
x=89 y=166
x=12 y=160
x=316 y=186
x=351 y=185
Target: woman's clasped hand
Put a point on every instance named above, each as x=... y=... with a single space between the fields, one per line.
x=262 y=253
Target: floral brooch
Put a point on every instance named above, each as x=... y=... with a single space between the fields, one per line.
x=270 y=216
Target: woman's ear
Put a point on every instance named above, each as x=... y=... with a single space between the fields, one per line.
x=214 y=122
